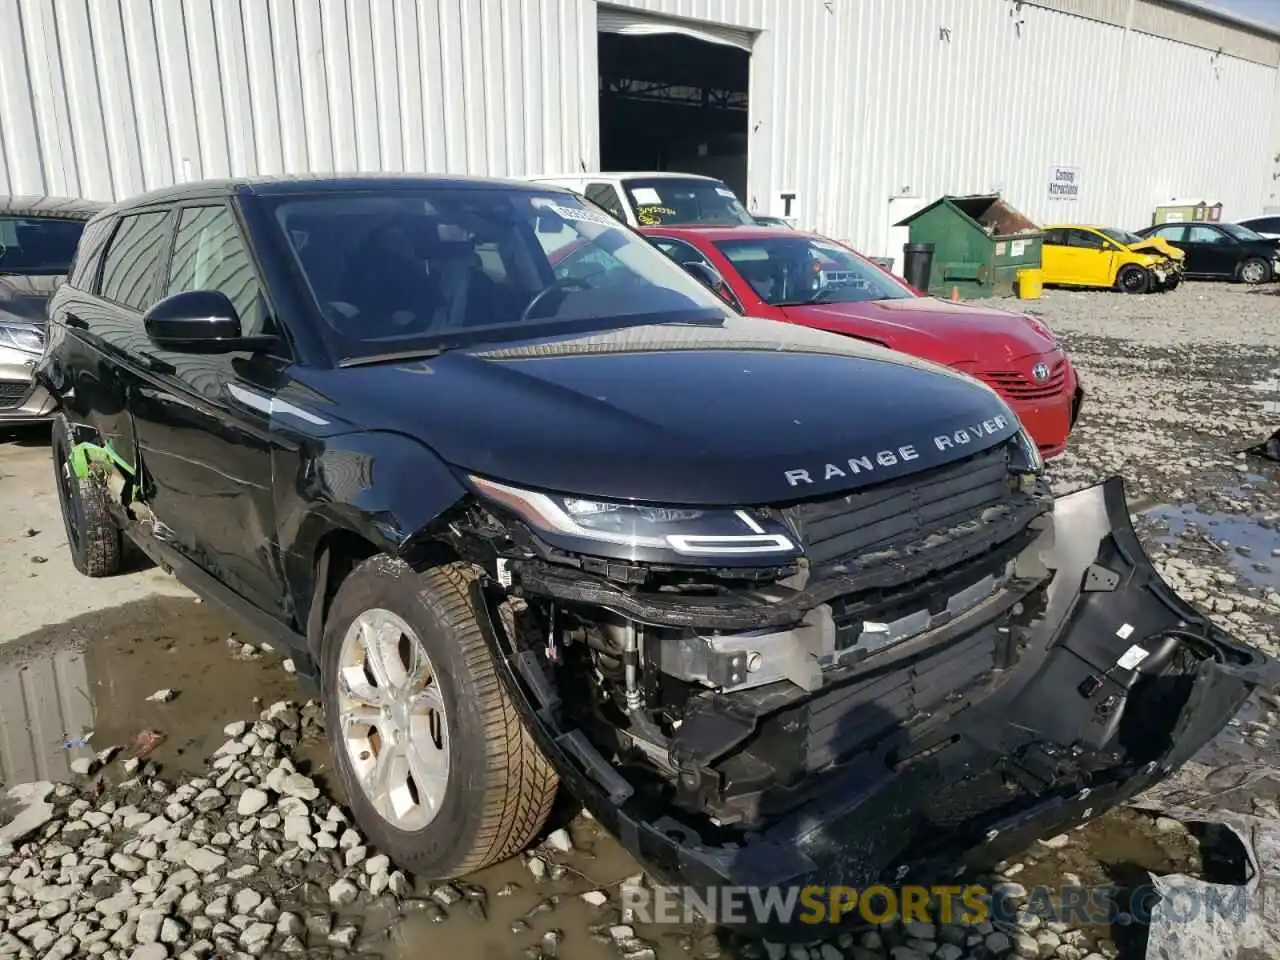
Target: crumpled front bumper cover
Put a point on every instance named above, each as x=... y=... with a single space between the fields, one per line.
x=1116 y=683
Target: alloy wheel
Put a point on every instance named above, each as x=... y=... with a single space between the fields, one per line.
x=393 y=720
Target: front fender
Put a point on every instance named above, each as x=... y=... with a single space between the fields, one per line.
x=380 y=486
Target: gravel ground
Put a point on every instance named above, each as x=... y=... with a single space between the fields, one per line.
x=234 y=844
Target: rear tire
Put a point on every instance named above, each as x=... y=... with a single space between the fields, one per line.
x=1133 y=279
x=93 y=537
x=1255 y=270
x=472 y=786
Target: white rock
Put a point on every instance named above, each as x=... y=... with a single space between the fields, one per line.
x=560 y=840
x=300 y=786
x=379 y=864
x=81 y=766
x=148 y=930
x=251 y=801
x=246 y=900
x=162 y=696
x=204 y=860
x=596 y=898
x=235 y=729
x=343 y=893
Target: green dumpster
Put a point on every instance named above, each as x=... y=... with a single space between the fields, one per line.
x=1187 y=211
x=979 y=245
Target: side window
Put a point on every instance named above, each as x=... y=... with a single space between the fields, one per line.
x=1267 y=225
x=1085 y=239
x=603 y=195
x=210 y=254
x=84 y=267
x=1055 y=238
x=1173 y=232
x=1200 y=234
x=130 y=270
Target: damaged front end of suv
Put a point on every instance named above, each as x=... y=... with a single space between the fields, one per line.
x=894 y=683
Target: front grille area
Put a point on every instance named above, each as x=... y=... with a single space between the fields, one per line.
x=12 y=394
x=1020 y=385
x=904 y=511
x=857 y=717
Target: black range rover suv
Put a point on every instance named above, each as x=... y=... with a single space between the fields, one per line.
x=776 y=605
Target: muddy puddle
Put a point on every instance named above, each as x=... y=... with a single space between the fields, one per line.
x=80 y=687
x=1249 y=542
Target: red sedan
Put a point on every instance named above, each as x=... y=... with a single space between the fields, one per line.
x=804 y=278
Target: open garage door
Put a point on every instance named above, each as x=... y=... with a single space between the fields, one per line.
x=673 y=96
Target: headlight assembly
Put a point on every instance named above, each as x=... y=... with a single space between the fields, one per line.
x=1027 y=458
x=687 y=531
x=21 y=336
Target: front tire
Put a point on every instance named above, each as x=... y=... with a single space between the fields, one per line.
x=1133 y=279
x=93 y=537
x=1255 y=270
x=438 y=767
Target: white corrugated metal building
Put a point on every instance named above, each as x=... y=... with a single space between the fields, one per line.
x=862 y=110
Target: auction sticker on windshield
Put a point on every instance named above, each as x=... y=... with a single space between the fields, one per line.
x=580 y=214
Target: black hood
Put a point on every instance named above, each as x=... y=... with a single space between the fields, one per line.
x=25 y=297
x=748 y=412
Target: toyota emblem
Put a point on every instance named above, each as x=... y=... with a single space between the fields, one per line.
x=1040 y=371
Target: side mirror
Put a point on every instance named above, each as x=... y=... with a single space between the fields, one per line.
x=199 y=321
x=707 y=276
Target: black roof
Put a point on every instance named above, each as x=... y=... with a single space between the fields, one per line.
x=37 y=206
x=283 y=185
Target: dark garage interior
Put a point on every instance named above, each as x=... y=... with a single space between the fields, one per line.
x=670 y=102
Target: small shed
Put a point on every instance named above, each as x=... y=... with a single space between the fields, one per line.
x=1187 y=211
x=979 y=243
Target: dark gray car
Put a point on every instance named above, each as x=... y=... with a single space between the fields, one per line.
x=38 y=237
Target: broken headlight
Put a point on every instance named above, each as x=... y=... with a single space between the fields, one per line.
x=633 y=529
x=21 y=336
x=1025 y=456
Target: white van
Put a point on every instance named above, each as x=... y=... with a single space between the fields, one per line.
x=650 y=199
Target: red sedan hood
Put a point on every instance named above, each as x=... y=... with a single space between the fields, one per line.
x=937 y=330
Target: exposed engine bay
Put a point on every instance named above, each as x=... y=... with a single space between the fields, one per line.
x=954 y=654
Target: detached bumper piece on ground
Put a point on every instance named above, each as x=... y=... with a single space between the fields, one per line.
x=938 y=711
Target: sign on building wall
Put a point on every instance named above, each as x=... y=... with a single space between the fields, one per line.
x=1064 y=183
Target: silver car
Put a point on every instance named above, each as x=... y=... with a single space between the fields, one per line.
x=38 y=238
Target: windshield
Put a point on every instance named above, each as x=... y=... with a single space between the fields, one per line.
x=1241 y=233
x=670 y=201
x=399 y=271
x=790 y=271
x=38 y=245
x=1121 y=236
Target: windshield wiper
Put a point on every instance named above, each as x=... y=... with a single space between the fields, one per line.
x=395 y=356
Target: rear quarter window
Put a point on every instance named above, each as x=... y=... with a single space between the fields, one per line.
x=84 y=267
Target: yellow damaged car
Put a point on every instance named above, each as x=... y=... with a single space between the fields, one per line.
x=1076 y=255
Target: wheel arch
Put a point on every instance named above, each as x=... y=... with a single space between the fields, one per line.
x=361 y=495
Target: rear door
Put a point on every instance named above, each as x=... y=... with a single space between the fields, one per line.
x=1055 y=256
x=202 y=420
x=1084 y=259
x=97 y=330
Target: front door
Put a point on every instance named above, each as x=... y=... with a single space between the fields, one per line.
x=1210 y=250
x=208 y=454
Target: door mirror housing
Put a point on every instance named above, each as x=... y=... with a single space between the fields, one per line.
x=707 y=276
x=199 y=321
x=710 y=278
